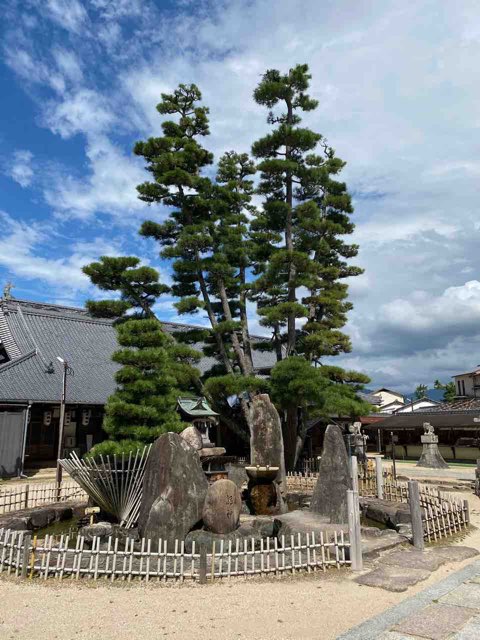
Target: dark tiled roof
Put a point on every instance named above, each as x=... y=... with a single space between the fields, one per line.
x=370 y=398
x=457 y=405
x=34 y=334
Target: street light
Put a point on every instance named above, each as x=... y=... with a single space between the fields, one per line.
x=65 y=366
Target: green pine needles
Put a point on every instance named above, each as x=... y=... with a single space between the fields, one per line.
x=154 y=369
x=283 y=256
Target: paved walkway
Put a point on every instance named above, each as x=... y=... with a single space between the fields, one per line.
x=453 y=473
x=448 y=610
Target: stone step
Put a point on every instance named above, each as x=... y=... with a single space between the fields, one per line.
x=372 y=546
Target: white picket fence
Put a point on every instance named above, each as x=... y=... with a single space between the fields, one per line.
x=25 y=496
x=54 y=557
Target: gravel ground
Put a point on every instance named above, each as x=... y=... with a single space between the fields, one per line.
x=319 y=606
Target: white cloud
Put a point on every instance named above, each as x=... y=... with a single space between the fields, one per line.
x=398 y=100
x=456 y=310
x=83 y=111
x=110 y=187
x=20 y=168
x=22 y=254
x=69 y=14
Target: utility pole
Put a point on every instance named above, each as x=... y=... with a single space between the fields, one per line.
x=62 y=421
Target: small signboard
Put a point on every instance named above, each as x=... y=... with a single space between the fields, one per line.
x=90 y=510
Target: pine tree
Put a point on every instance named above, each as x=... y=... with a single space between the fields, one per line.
x=301 y=267
x=205 y=236
x=154 y=369
x=289 y=256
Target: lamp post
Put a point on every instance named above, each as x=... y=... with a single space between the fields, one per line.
x=62 y=420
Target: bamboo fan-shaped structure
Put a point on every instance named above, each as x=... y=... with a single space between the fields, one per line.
x=113 y=482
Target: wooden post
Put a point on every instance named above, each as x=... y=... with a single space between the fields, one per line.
x=202 y=567
x=379 y=474
x=416 y=514
x=27 y=488
x=466 y=509
x=354 y=531
x=27 y=539
x=354 y=466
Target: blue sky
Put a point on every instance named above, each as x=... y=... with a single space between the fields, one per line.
x=399 y=92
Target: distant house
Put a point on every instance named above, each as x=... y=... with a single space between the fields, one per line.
x=388 y=396
x=388 y=400
x=32 y=336
x=467 y=384
x=416 y=405
x=456 y=423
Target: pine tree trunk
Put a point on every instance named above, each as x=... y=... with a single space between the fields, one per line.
x=291 y=334
x=289 y=430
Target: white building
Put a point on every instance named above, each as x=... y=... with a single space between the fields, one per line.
x=390 y=400
x=417 y=405
x=467 y=384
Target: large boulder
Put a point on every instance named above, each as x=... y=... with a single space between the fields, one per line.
x=193 y=436
x=237 y=474
x=303 y=523
x=329 y=497
x=221 y=511
x=174 y=490
x=266 y=441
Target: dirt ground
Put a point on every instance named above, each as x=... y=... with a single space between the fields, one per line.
x=319 y=606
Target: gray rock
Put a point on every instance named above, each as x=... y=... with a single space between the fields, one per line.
x=453 y=553
x=221 y=511
x=14 y=523
x=373 y=546
x=392 y=514
x=41 y=517
x=414 y=559
x=174 y=490
x=97 y=530
x=237 y=474
x=193 y=436
x=266 y=440
x=303 y=523
x=62 y=512
x=329 y=497
x=264 y=526
x=393 y=578
x=207 y=538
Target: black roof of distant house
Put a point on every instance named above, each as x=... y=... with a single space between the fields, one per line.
x=34 y=334
x=475 y=372
x=370 y=397
x=441 y=419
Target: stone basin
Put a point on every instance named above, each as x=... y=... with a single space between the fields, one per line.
x=262 y=474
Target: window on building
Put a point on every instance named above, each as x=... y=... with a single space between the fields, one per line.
x=463 y=387
x=459 y=388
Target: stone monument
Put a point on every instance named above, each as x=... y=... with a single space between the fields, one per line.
x=223 y=504
x=266 y=452
x=329 y=497
x=431 y=456
x=174 y=490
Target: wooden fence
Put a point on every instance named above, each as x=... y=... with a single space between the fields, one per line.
x=55 y=557
x=367 y=481
x=34 y=495
x=443 y=514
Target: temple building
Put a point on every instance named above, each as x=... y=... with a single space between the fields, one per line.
x=38 y=343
